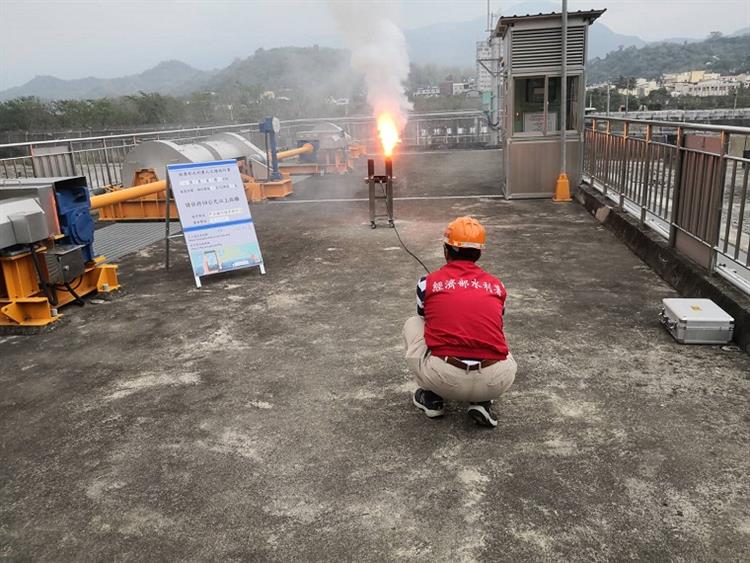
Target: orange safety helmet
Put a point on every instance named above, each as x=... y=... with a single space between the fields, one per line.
x=464 y=232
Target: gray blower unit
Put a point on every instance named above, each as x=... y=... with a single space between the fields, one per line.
x=156 y=155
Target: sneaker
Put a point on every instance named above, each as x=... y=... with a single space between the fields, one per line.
x=431 y=403
x=482 y=414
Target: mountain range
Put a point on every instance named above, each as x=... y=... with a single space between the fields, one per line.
x=723 y=54
x=168 y=77
x=455 y=47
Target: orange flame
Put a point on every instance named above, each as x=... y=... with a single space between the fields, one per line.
x=388 y=133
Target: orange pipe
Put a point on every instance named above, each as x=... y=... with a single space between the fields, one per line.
x=125 y=194
x=135 y=192
x=307 y=147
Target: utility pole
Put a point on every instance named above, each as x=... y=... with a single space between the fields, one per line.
x=608 y=89
x=562 y=189
x=492 y=66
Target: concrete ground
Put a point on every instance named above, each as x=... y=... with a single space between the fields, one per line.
x=269 y=417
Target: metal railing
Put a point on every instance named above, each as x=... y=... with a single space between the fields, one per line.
x=686 y=115
x=687 y=181
x=100 y=158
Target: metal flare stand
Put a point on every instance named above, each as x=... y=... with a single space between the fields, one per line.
x=384 y=184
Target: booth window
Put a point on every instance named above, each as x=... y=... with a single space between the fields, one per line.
x=530 y=112
x=553 y=108
x=574 y=107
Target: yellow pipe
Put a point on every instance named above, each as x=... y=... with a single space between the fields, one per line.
x=135 y=192
x=125 y=194
x=307 y=147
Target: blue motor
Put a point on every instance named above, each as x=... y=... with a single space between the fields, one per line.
x=74 y=212
x=270 y=126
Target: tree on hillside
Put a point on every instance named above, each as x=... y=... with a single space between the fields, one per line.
x=25 y=114
x=156 y=108
x=728 y=55
x=657 y=99
x=200 y=107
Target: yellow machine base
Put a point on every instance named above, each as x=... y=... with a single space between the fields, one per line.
x=145 y=208
x=314 y=169
x=34 y=310
x=335 y=161
x=277 y=189
x=356 y=150
x=152 y=207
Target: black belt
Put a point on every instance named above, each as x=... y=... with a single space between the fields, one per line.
x=461 y=365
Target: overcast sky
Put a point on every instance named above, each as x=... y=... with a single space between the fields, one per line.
x=108 y=38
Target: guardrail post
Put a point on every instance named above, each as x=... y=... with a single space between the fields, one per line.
x=646 y=178
x=625 y=162
x=718 y=201
x=607 y=147
x=106 y=161
x=679 y=143
x=590 y=151
x=72 y=158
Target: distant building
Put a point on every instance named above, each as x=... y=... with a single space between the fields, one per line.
x=644 y=87
x=461 y=88
x=600 y=86
x=689 y=77
x=451 y=88
x=488 y=55
x=702 y=83
x=688 y=83
x=707 y=88
x=427 y=92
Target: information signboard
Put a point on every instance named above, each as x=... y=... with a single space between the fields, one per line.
x=533 y=122
x=215 y=217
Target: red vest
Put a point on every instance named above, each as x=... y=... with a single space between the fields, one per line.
x=463 y=312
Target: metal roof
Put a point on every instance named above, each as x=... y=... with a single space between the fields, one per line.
x=508 y=21
x=120 y=239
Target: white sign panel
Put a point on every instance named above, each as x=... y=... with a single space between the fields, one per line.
x=533 y=122
x=215 y=217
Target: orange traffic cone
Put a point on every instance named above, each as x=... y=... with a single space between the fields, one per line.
x=562 y=189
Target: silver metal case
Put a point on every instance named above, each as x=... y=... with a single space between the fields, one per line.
x=696 y=321
x=43 y=193
x=65 y=263
x=22 y=221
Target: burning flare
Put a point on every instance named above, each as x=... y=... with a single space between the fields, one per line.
x=388 y=133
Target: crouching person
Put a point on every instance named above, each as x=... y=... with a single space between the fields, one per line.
x=455 y=345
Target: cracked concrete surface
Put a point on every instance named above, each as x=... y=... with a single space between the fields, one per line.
x=268 y=417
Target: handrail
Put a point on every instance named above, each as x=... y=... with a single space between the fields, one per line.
x=288 y=122
x=694 y=192
x=121 y=135
x=684 y=125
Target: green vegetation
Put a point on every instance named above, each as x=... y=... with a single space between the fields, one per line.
x=447 y=103
x=727 y=55
x=288 y=82
x=421 y=76
x=295 y=82
x=33 y=114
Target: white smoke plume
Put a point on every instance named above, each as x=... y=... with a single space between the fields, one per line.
x=379 y=52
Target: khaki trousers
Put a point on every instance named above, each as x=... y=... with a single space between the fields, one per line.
x=451 y=382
